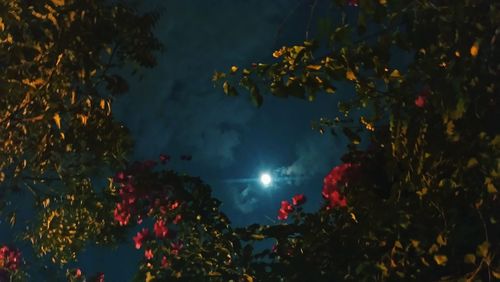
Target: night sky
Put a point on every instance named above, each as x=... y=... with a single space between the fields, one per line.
x=176 y=110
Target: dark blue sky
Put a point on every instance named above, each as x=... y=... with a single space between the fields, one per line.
x=175 y=109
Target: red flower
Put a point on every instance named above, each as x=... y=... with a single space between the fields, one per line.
x=78 y=273
x=121 y=214
x=141 y=235
x=337 y=200
x=10 y=258
x=120 y=176
x=100 y=277
x=164 y=262
x=174 y=205
x=148 y=254
x=298 y=199
x=161 y=231
x=176 y=247
x=420 y=101
x=164 y=158
x=177 y=219
x=285 y=209
x=339 y=175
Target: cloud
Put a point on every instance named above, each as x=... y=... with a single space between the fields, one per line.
x=245 y=200
x=315 y=155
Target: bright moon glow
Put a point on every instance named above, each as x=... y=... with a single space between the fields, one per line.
x=265 y=178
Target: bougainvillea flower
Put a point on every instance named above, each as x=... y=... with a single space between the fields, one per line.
x=164 y=158
x=177 y=219
x=298 y=199
x=121 y=214
x=148 y=254
x=174 y=205
x=10 y=258
x=120 y=176
x=420 y=101
x=337 y=200
x=353 y=3
x=164 y=262
x=176 y=247
x=285 y=209
x=141 y=235
x=161 y=231
x=100 y=277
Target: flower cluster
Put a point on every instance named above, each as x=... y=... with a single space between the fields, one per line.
x=10 y=258
x=287 y=208
x=136 y=203
x=421 y=99
x=338 y=177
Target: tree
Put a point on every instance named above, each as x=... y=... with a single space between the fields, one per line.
x=425 y=206
x=62 y=62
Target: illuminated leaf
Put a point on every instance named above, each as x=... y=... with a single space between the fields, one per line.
x=482 y=250
x=440 y=259
x=58 y=2
x=57 y=120
x=474 y=49
x=470 y=258
x=350 y=75
x=313 y=67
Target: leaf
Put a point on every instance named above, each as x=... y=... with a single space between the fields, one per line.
x=474 y=49
x=149 y=277
x=472 y=163
x=350 y=75
x=58 y=2
x=441 y=240
x=470 y=258
x=482 y=250
x=440 y=259
x=395 y=74
x=57 y=120
x=12 y=220
x=313 y=67
x=258 y=236
x=496 y=274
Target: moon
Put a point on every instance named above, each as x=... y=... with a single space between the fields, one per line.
x=265 y=179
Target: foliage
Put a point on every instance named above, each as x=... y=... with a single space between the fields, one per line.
x=62 y=63
x=427 y=205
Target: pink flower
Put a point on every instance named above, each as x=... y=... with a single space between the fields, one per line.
x=352 y=3
x=174 y=205
x=161 y=231
x=141 y=235
x=164 y=158
x=78 y=273
x=148 y=254
x=121 y=214
x=10 y=258
x=285 y=209
x=177 y=219
x=100 y=277
x=164 y=262
x=298 y=199
x=176 y=247
x=420 y=101
x=339 y=175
